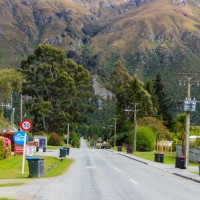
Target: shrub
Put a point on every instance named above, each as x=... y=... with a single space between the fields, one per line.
x=2 y=150
x=5 y=147
x=55 y=139
x=159 y=129
x=145 y=139
x=74 y=139
x=195 y=144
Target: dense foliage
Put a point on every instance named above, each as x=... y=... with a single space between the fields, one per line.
x=145 y=139
x=74 y=139
x=58 y=89
x=55 y=139
x=159 y=129
x=130 y=90
x=5 y=147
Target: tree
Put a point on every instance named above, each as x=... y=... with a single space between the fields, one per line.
x=179 y=127
x=119 y=80
x=129 y=90
x=10 y=82
x=59 y=89
x=160 y=131
x=151 y=90
x=163 y=102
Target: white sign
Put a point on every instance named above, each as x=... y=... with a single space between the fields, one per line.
x=29 y=151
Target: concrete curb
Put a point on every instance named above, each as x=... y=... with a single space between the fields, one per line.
x=146 y=163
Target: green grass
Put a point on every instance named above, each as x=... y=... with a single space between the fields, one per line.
x=57 y=147
x=59 y=169
x=11 y=168
x=53 y=147
x=150 y=156
x=6 y=198
x=10 y=184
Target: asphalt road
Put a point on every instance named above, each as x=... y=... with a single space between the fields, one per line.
x=103 y=175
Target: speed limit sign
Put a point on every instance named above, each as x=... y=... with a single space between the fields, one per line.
x=26 y=125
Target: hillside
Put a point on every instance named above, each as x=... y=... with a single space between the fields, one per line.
x=149 y=35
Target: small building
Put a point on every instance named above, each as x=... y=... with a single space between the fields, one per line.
x=41 y=139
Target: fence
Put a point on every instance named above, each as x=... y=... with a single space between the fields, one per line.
x=194 y=154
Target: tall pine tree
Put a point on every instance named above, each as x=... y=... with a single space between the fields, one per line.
x=163 y=102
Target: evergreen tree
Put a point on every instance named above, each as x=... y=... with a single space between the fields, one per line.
x=130 y=90
x=59 y=89
x=163 y=102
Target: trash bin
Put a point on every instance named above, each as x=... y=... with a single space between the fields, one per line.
x=67 y=150
x=159 y=157
x=36 y=166
x=37 y=149
x=129 y=150
x=199 y=166
x=180 y=162
x=177 y=162
x=63 y=152
x=44 y=149
x=119 y=148
x=156 y=157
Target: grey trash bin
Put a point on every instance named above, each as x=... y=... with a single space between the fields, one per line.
x=36 y=166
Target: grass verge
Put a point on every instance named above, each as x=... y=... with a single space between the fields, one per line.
x=11 y=167
x=150 y=156
x=10 y=184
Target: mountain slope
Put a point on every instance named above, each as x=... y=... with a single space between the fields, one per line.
x=149 y=35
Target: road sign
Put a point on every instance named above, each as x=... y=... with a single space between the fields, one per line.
x=19 y=138
x=26 y=125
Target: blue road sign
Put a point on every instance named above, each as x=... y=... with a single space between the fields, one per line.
x=19 y=138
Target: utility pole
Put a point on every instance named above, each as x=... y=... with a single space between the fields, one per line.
x=21 y=101
x=115 y=132
x=189 y=105
x=135 y=125
x=68 y=133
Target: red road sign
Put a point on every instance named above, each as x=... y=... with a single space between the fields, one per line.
x=26 y=125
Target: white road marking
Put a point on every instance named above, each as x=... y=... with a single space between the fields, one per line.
x=133 y=181
x=117 y=169
x=91 y=167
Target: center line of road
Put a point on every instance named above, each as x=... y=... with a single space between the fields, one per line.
x=133 y=181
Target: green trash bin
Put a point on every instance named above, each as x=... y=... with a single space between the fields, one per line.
x=63 y=152
x=67 y=150
x=36 y=166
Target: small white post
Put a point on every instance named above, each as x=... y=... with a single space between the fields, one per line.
x=24 y=153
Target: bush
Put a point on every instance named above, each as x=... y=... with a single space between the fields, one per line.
x=159 y=129
x=74 y=139
x=2 y=150
x=195 y=144
x=5 y=147
x=145 y=139
x=55 y=139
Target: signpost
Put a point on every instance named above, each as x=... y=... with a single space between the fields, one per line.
x=19 y=142
x=25 y=125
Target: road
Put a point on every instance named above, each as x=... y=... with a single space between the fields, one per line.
x=103 y=175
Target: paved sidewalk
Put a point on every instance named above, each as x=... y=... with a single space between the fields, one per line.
x=187 y=173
